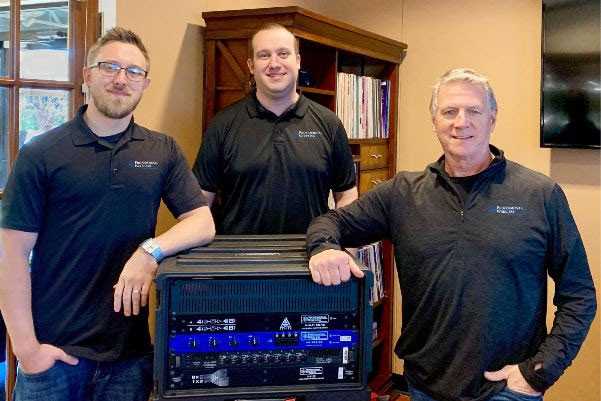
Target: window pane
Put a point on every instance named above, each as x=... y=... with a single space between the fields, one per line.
x=3 y=136
x=44 y=40
x=41 y=110
x=4 y=36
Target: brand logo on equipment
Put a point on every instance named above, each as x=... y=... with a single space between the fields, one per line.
x=285 y=324
x=513 y=210
x=308 y=134
x=145 y=164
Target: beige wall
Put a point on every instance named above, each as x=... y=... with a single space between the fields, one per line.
x=499 y=38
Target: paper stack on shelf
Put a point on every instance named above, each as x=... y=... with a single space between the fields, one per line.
x=371 y=256
x=363 y=105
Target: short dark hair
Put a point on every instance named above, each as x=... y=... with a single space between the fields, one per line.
x=272 y=25
x=118 y=34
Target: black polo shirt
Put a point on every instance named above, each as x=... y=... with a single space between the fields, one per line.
x=273 y=174
x=92 y=204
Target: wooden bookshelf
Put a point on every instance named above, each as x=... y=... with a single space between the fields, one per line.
x=327 y=47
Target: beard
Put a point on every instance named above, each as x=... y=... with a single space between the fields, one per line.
x=115 y=108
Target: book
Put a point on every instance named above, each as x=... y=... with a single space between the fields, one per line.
x=363 y=105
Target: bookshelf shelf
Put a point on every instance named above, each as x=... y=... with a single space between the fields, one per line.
x=327 y=47
x=308 y=89
x=369 y=141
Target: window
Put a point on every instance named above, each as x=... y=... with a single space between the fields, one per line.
x=42 y=52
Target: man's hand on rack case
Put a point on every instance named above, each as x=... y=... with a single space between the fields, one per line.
x=332 y=267
x=131 y=291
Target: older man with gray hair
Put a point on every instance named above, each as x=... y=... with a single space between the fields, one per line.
x=475 y=237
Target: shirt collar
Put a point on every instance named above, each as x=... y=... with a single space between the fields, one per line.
x=85 y=135
x=497 y=162
x=256 y=109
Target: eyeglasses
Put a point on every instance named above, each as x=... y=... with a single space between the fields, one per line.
x=133 y=73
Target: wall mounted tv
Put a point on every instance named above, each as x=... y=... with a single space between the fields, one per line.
x=571 y=87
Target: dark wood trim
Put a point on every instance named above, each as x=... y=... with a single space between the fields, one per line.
x=228 y=88
x=41 y=84
x=77 y=12
x=36 y=83
x=232 y=63
x=304 y=24
x=309 y=89
x=275 y=11
x=13 y=97
x=393 y=122
x=371 y=141
x=36 y=6
x=14 y=38
x=13 y=118
x=209 y=78
x=11 y=369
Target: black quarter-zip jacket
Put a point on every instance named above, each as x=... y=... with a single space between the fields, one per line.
x=473 y=274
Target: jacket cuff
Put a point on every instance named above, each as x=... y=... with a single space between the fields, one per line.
x=537 y=379
x=323 y=247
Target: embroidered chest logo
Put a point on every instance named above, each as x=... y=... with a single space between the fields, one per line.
x=144 y=164
x=309 y=134
x=511 y=210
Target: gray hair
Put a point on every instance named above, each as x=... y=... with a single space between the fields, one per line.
x=463 y=75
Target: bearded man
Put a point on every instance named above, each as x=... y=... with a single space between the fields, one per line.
x=82 y=200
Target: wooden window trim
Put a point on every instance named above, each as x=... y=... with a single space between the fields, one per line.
x=85 y=28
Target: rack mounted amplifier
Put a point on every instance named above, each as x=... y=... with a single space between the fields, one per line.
x=240 y=319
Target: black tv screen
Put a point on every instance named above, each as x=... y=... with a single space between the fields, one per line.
x=571 y=87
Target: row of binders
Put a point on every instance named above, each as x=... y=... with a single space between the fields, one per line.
x=371 y=256
x=363 y=105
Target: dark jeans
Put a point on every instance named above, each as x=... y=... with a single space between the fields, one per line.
x=504 y=395
x=129 y=380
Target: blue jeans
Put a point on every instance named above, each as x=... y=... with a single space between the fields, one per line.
x=128 y=380
x=503 y=395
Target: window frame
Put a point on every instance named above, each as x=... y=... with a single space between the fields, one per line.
x=84 y=29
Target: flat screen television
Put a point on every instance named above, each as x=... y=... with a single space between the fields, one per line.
x=571 y=87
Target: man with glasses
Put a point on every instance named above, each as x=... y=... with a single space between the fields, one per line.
x=475 y=238
x=82 y=199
